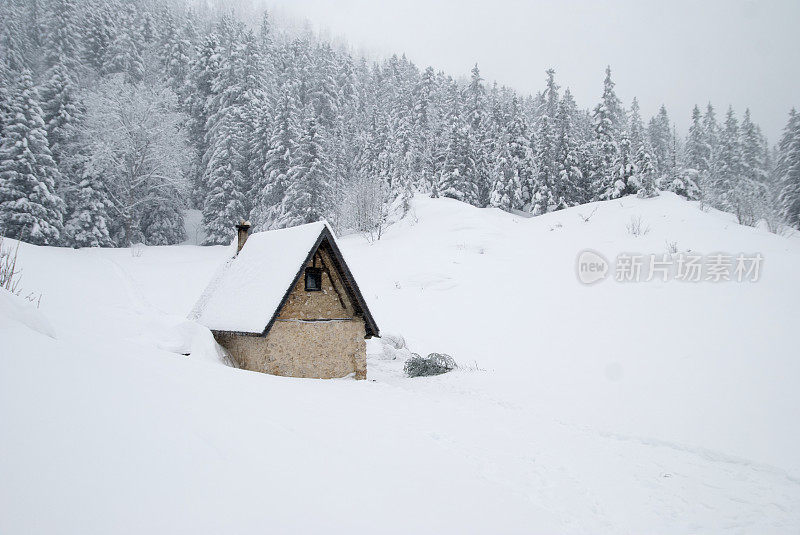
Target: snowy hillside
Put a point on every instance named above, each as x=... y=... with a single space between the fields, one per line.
x=638 y=407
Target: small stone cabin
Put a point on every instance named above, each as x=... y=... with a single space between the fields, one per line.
x=287 y=304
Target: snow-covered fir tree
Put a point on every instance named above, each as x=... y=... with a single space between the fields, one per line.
x=608 y=117
x=546 y=196
x=730 y=169
x=696 y=150
x=515 y=167
x=646 y=173
x=61 y=110
x=176 y=53
x=626 y=169
x=225 y=204
x=660 y=140
x=788 y=170
x=87 y=225
x=570 y=184
x=99 y=31
x=477 y=117
x=309 y=191
x=458 y=172
x=30 y=209
x=124 y=53
x=711 y=151
x=283 y=140
x=636 y=130
x=61 y=35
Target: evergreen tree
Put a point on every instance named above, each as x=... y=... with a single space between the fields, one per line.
x=626 y=169
x=87 y=226
x=457 y=181
x=711 y=151
x=608 y=120
x=646 y=173
x=515 y=167
x=458 y=170
x=728 y=175
x=15 y=41
x=162 y=223
x=61 y=111
x=61 y=43
x=30 y=209
x=5 y=95
x=225 y=204
x=424 y=120
x=176 y=56
x=268 y=209
x=788 y=170
x=265 y=34
x=635 y=126
x=147 y=28
x=123 y=54
x=547 y=198
x=696 y=147
x=308 y=194
x=478 y=121
x=570 y=180
x=99 y=34
x=754 y=154
x=660 y=138
x=201 y=90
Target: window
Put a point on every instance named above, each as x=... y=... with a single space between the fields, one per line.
x=313 y=279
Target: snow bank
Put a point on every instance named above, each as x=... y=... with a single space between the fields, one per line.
x=615 y=408
x=183 y=337
x=16 y=311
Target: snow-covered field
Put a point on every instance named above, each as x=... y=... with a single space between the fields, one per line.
x=651 y=407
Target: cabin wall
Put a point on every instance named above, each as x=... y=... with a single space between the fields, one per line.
x=316 y=334
x=322 y=350
x=332 y=302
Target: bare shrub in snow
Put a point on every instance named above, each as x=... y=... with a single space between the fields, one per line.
x=586 y=218
x=393 y=347
x=395 y=340
x=433 y=364
x=363 y=207
x=636 y=226
x=672 y=246
x=9 y=274
x=137 y=141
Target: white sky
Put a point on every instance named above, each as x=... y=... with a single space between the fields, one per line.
x=676 y=52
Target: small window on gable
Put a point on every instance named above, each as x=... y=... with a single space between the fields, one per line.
x=313 y=279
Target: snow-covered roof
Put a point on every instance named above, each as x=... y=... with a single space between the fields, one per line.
x=248 y=291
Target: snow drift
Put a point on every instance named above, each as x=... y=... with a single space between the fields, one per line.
x=655 y=407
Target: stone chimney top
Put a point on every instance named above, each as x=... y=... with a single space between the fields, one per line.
x=242 y=230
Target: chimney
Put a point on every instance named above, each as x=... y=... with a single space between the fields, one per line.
x=241 y=234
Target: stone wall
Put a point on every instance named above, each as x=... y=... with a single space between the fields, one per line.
x=316 y=334
x=332 y=302
x=319 y=349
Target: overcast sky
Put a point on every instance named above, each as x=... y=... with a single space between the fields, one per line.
x=675 y=52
